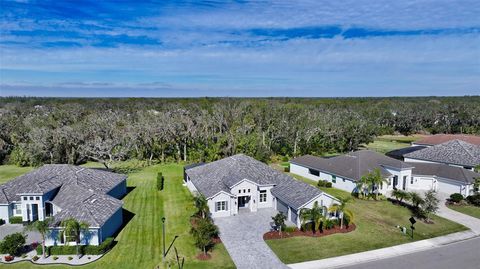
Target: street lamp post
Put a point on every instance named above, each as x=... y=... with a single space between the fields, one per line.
x=163 y=238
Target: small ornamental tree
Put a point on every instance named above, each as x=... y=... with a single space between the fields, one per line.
x=314 y=215
x=400 y=195
x=344 y=213
x=201 y=204
x=12 y=243
x=430 y=206
x=279 y=221
x=203 y=233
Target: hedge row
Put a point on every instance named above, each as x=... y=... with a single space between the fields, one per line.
x=15 y=220
x=72 y=250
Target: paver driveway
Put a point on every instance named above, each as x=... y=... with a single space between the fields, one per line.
x=242 y=235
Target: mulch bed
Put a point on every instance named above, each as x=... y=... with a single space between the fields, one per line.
x=297 y=232
x=204 y=257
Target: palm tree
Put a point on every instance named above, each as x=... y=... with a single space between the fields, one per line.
x=416 y=199
x=201 y=204
x=315 y=215
x=400 y=195
x=43 y=228
x=343 y=211
x=73 y=229
x=376 y=180
x=361 y=186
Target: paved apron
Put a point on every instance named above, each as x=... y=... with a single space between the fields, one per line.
x=242 y=236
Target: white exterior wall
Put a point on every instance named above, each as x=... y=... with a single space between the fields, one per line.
x=324 y=201
x=247 y=188
x=401 y=174
x=425 y=161
x=27 y=215
x=269 y=203
x=231 y=205
x=341 y=183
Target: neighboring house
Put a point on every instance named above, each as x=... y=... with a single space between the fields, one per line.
x=240 y=183
x=66 y=191
x=442 y=138
x=455 y=152
x=442 y=178
x=345 y=171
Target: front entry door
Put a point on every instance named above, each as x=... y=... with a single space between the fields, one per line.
x=243 y=201
x=34 y=212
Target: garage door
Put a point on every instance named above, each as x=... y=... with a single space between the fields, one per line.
x=282 y=208
x=447 y=187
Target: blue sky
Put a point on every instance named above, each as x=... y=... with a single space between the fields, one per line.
x=239 y=48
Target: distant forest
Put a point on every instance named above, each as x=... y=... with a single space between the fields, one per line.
x=35 y=131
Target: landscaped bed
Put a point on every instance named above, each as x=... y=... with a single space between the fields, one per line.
x=297 y=232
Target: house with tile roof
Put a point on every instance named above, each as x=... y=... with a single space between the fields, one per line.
x=64 y=191
x=455 y=152
x=346 y=170
x=437 y=139
x=240 y=184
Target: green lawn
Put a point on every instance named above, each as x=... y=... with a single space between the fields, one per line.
x=140 y=242
x=8 y=172
x=386 y=143
x=470 y=210
x=375 y=220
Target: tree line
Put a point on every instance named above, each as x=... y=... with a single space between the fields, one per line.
x=35 y=131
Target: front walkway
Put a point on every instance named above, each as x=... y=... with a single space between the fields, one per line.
x=384 y=253
x=242 y=236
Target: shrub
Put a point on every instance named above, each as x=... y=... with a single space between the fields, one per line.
x=474 y=199
x=290 y=229
x=62 y=250
x=12 y=243
x=100 y=249
x=160 y=181
x=8 y=258
x=285 y=158
x=16 y=220
x=35 y=258
x=328 y=184
x=70 y=258
x=24 y=255
x=2 y=222
x=286 y=169
x=308 y=227
x=324 y=183
x=39 y=250
x=55 y=258
x=456 y=197
x=329 y=224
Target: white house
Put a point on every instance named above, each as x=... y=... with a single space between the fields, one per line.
x=242 y=184
x=66 y=191
x=346 y=170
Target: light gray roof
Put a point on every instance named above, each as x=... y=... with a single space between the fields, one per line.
x=453 y=152
x=445 y=171
x=221 y=175
x=82 y=192
x=353 y=165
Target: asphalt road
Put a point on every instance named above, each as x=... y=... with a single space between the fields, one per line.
x=460 y=255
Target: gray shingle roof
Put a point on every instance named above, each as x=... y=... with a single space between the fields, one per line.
x=399 y=153
x=352 y=165
x=445 y=171
x=81 y=191
x=453 y=152
x=221 y=175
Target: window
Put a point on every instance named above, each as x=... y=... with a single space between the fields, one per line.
x=334 y=179
x=343 y=179
x=239 y=191
x=243 y=190
x=31 y=198
x=17 y=209
x=263 y=196
x=221 y=206
x=37 y=198
x=25 y=198
x=248 y=190
x=411 y=180
x=314 y=172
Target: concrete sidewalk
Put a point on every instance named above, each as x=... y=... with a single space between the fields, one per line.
x=472 y=223
x=384 y=253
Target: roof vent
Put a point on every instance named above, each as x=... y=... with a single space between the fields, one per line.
x=93 y=201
